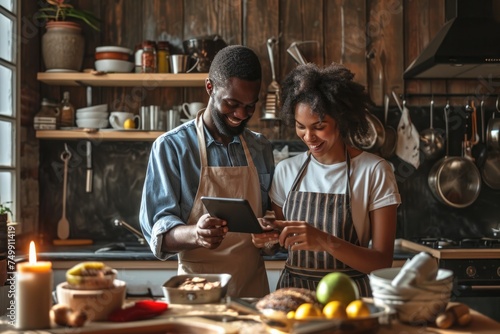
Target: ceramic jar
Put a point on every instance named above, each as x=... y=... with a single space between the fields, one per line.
x=63 y=46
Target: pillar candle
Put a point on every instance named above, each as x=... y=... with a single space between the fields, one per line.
x=33 y=293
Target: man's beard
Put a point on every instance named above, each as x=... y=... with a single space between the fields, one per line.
x=222 y=127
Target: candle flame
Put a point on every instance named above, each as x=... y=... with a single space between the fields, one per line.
x=32 y=253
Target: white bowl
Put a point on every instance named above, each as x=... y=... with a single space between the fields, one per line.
x=92 y=114
x=94 y=123
x=113 y=65
x=99 y=107
x=110 y=48
x=413 y=304
x=97 y=304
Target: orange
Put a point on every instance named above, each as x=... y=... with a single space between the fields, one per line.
x=335 y=310
x=357 y=308
x=307 y=310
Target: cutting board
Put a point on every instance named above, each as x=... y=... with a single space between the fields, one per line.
x=189 y=325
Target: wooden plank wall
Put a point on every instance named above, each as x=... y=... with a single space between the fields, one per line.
x=376 y=39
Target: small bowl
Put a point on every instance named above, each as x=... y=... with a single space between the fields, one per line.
x=93 y=123
x=110 y=48
x=112 y=55
x=174 y=295
x=97 y=304
x=92 y=114
x=99 y=107
x=113 y=66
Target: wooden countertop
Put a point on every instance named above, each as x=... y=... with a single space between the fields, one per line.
x=192 y=315
x=451 y=253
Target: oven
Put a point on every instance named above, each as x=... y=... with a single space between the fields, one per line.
x=475 y=263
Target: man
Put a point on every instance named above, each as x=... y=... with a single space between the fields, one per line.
x=213 y=155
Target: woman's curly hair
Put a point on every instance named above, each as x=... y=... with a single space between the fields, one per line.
x=328 y=91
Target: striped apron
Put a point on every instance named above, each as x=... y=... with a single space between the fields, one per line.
x=330 y=213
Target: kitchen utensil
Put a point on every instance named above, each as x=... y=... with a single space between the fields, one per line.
x=431 y=140
x=89 y=179
x=204 y=48
x=273 y=90
x=388 y=148
x=479 y=149
x=493 y=131
x=407 y=146
x=293 y=50
x=491 y=168
x=63 y=224
x=455 y=181
x=174 y=295
x=375 y=137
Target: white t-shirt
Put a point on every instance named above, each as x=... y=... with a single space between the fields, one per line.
x=373 y=185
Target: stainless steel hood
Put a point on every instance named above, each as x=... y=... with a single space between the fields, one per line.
x=466 y=47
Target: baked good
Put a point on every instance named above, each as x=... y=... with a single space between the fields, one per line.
x=286 y=299
x=91 y=275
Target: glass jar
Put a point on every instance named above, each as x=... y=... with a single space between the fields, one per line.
x=67 y=112
x=162 y=55
x=148 y=57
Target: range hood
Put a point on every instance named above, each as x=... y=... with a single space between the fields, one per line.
x=466 y=47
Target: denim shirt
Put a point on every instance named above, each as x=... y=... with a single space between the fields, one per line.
x=173 y=173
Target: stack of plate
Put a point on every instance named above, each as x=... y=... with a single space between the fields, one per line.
x=95 y=117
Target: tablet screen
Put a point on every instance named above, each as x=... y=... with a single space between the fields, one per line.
x=236 y=211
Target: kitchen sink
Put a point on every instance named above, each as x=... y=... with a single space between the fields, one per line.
x=118 y=247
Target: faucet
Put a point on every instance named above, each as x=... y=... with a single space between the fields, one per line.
x=138 y=234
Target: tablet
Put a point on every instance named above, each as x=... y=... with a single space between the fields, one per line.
x=236 y=211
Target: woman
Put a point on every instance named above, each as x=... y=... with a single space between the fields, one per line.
x=332 y=200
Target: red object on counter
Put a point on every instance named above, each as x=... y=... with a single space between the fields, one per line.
x=141 y=310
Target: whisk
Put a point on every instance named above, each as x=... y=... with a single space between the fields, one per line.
x=273 y=90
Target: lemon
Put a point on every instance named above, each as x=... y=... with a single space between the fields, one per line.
x=335 y=310
x=336 y=286
x=129 y=124
x=307 y=310
x=290 y=315
x=357 y=308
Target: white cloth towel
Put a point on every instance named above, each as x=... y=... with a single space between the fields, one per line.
x=407 y=146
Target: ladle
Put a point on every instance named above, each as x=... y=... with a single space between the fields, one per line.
x=431 y=140
x=479 y=149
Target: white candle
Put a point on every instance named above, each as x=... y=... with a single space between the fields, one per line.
x=33 y=293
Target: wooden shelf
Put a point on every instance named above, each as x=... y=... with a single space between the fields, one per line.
x=104 y=134
x=123 y=79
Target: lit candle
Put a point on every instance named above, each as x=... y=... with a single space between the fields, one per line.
x=33 y=293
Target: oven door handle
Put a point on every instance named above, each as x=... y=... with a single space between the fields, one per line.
x=483 y=287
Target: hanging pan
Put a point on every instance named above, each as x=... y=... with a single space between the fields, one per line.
x=455 y=181
x=491 y=168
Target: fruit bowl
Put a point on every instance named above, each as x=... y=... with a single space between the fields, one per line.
x=278 y=321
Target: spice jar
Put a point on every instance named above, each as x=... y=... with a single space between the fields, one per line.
x=162 y=55
x=148 y=57
x=138 y=58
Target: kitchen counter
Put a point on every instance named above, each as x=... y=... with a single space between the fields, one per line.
x=203 y=319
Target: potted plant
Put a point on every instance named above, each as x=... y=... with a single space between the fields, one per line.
x=4 y=211
x=63 y=44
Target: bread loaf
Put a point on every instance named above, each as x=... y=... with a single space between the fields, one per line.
x=286 y=299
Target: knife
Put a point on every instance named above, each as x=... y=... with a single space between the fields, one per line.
x=88 y=183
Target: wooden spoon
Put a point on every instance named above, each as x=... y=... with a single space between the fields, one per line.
x=63 y=224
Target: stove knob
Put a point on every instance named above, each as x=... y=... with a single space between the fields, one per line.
x=470 y=271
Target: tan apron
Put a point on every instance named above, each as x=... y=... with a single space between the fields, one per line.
x=236 y=255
